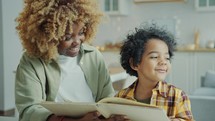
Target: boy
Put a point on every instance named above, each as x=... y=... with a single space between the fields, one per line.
x=147 y=54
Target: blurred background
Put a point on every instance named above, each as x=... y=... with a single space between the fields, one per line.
x=191 y=21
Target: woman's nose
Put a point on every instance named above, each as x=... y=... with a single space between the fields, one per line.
x=76 y=40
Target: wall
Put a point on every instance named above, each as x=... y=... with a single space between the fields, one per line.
x=10 y=51
x=116 y=27
x=1 y=61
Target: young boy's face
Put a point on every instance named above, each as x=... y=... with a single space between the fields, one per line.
x=155 y=63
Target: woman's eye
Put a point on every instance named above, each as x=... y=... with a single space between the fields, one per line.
x=67 y=38
x=81 y=32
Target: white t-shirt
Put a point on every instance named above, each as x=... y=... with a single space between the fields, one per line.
x=73 y=85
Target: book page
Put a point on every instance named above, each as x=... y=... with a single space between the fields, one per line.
x=135 y=113
x=74 y=109
x=117 y=100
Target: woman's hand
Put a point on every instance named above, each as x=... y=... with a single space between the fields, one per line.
x=91 y=116
x=117 y=118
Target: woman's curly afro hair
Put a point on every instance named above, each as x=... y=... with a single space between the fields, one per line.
x=42 y=23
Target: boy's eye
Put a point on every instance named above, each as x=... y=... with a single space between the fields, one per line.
x=153 y=57
x=168 y=59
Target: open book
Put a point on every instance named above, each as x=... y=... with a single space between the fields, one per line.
x=133 y=110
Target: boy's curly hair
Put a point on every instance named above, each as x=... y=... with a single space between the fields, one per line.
x=134 y=46
x=42 y=23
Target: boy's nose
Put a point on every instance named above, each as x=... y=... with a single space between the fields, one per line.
x=163 y=61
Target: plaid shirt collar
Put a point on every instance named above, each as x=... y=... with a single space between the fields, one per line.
x=161 y=87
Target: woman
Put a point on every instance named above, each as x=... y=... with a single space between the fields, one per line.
x=57 y=64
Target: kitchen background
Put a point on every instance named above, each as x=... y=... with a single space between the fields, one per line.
x=181 y=17
x=190 y=20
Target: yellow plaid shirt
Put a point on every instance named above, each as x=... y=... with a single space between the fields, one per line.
x=173 y=100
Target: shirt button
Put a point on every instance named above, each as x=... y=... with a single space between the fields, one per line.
x=81 y=63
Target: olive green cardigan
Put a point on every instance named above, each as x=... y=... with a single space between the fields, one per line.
x=38 y=81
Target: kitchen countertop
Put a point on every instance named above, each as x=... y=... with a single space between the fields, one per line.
x=178 y=50
x=117 y=73
x=196 y=50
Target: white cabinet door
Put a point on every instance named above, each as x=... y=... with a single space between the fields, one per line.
x=188 y=69
x=204 y=62
x=158 y=1
x=180 y=73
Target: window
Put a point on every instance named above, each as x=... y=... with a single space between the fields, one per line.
x=205 y=5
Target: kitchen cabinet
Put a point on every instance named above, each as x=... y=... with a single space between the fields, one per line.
x=118 y=77
x=117 y=73
x=157 y=1
x=205 y=5
x=115 y=7
x=188 y=67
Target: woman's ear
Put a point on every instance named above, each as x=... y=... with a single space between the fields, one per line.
x=131 y=62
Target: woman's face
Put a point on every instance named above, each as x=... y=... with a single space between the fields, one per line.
x=155 y=63
x=70 y=45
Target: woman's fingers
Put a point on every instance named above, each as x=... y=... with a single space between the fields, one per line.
x=91 y=116
x=119 y=118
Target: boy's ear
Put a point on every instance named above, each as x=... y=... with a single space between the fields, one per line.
x=131 y=62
